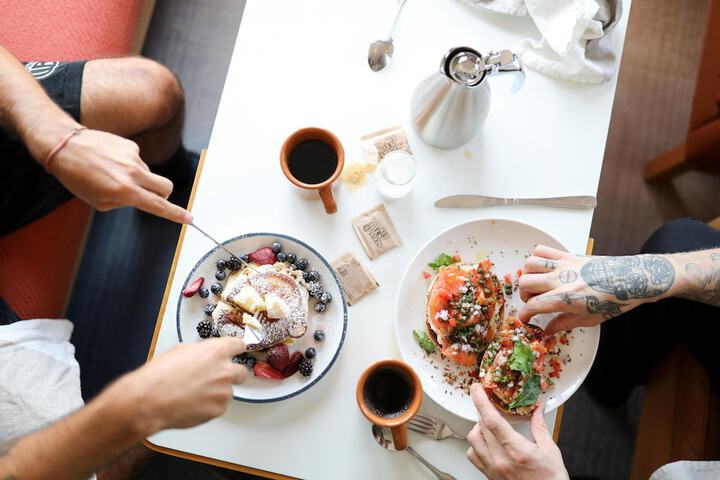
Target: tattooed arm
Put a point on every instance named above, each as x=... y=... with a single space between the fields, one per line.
x=588 y=290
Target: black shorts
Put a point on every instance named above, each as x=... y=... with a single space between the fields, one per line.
x=27 y=191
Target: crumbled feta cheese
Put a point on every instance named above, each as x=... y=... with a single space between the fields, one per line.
x=511 y=384
x=501 y=359
x=536 y=354
x=442 y=315
x=482 y=373
x=466 y=348
x=463 y=289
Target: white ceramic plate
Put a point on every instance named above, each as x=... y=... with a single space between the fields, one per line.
x=506 y=243
x=333 y=321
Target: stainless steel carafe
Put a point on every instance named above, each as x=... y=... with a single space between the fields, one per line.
x=449 y=107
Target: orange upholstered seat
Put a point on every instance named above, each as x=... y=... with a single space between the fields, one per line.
x=38 y=262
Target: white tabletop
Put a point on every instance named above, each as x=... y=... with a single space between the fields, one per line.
x=303 y=63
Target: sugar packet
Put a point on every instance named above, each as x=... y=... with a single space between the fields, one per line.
x=379 y=144
x=355 y=279
x=376 y=231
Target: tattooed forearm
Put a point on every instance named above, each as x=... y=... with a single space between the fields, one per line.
x=631 y=277
x=593 y=304
x=567 y=276
x=704 y=280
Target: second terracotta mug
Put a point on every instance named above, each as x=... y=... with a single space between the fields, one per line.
x=389 y=394
x=312 y=159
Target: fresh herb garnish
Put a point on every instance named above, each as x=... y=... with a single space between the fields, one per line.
x=522 y=359
x=424 y=341
x=529 y=393
x=442 y=260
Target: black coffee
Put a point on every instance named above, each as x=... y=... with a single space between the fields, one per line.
x=388 y=392
x=312 y=161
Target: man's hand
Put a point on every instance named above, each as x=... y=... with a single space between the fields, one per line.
x=185 y=386
x=106 y=171
x=502 y=453
x=589 y=290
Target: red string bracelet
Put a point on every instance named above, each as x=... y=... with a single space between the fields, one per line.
x=60 y=146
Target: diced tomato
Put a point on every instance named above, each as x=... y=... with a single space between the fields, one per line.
x=456 y=258
x=508 y=279
x=426 y=275
x=555 y=365
x=518 y=273
x=506 y=343
x=554 y=374
x=564 y=340
x=475 y=374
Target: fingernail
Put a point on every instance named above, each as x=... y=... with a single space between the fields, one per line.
x=187 y=218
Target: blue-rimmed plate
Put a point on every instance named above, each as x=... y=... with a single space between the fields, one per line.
x=333 y=321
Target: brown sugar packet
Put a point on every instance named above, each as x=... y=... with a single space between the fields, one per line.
x=376 y=231
x=355 y=279
x=379 y=144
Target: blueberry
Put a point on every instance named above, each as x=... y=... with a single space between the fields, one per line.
x=209 y=308
x=221 y=265
x=320 y=307
x=276 y=247
x=310 y=353
x=291 y=257
x=280 y=257
x=319 y=335
x=325 y=297
x=216 y=288
x=220 y=274
x=204 y=293
x=302 y=264
x=244 y=257
x=234 y=263
x=313 y=275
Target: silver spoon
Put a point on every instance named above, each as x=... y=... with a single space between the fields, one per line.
x=381 y=51
x=379 y=434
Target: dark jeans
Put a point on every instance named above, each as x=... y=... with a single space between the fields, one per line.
x=632 y=344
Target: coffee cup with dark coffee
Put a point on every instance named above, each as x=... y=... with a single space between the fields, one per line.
x=312 y=159
x=389 y=394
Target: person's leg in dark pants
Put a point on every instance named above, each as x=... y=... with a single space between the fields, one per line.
x=633 y=343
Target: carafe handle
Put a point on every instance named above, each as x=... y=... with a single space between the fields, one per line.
x=505 y=62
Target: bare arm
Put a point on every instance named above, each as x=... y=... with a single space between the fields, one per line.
x=188 y=385
x=102 y=169
x=589 y=290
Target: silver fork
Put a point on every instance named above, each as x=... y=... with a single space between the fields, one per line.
x=432 y=427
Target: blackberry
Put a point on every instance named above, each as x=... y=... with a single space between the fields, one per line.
x=220 y=274
x=209 y=308
x=216 y=288
x=221 y=264
x=305 y=367
x=280 y=257
x=244 y=359
x=315 y=289
x=234 y=263
x=306 y=276
x=291 y=257
x=204 y=293
x=325 y=297
x=302 y=264
x=313 y=275
x=310 y=353
x=276 y=247
x=320 y=307
x=319 y=335
x=204 y=329
x=215 y=331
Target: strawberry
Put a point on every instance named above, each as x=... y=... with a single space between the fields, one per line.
x=265 y=370
x=293 y=364
x=264 y=256
x=192 y=289
x=278 y=356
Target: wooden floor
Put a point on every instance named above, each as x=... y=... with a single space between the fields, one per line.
x=650 y=115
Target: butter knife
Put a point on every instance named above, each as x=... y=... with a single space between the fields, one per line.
x=582 y=202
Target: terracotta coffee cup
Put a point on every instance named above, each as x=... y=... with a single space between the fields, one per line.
x=328 y=175
x=389 y=394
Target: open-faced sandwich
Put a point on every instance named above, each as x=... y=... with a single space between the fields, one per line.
x=512 y=368
x=464 y=310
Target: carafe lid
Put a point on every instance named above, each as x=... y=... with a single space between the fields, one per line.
x=466 y=66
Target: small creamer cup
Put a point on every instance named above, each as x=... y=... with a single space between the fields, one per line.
x=323 y=189
x=398 y=424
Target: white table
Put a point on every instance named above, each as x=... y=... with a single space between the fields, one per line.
x=303 y=63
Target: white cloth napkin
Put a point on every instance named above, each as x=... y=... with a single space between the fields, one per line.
x=39 y=376
x=574 y=43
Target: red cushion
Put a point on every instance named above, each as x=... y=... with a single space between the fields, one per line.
x=38 y=262
x=68 y=29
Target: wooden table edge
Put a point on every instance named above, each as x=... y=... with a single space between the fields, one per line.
x=158 y=323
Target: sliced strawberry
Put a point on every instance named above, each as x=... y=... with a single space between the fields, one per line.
x=293 y=365
x=278 y=356
x=265 y=370
x=264 y=256
x=193 y=288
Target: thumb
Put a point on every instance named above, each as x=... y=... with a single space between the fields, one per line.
x=538 y=427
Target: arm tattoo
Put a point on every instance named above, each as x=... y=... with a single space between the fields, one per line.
x=705 y=281
x=593 y=304
x=638 y=276
x=567 y=276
